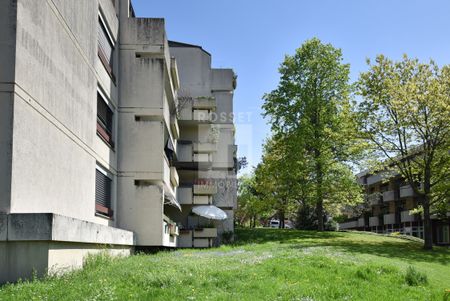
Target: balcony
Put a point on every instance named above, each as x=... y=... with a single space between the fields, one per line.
x=406 y=191
x=407 y=217
x=208 y=103
x=170 y=234
x=205 y=188
x=388 y=196
x=374 y=199
x=187 y=159
x=187 y=197
x=200 y=147
x=389 y=219
x=373 y=179
x=348 y=225
x=374 y=221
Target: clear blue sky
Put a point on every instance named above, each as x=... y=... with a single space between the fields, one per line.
x=252 y=37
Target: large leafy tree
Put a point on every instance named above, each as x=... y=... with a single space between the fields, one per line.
x=251 y=207
x=311 y=109
x=404 y=115
x=280 y=181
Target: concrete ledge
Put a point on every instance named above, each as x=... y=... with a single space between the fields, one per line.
x=53 y=227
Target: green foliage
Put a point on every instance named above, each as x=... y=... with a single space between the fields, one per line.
x=313 y=126
x=404 y=117
x=227 y=237
x=251 y=207
x=415 y=278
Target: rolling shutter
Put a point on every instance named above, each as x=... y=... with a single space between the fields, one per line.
x=102 y=189
x=104 y=43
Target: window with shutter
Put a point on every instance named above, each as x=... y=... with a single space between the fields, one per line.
x=105 y=48
x=104 y=121
x=103 y=194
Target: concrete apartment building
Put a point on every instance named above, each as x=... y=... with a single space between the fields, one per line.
x=90 y=132
x=389 y=200
x=206 y=147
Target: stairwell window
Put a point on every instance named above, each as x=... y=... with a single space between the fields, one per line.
x=105 y=117
x=103 y=195
x=105 y=46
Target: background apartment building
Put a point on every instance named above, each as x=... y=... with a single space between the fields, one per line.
x=88 y=133
x=206 y=148
x=389 y=201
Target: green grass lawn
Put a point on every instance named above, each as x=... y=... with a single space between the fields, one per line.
x=264 y=264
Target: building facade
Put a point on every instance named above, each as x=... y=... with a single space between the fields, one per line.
x=206 y=147
x=389 y=201
x=90 y=135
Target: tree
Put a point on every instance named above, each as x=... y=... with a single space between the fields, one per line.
x=405 y=115
x=250 y=206
x=277 y=177
x=311 y=108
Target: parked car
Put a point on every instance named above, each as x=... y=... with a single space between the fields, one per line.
x=274 y=223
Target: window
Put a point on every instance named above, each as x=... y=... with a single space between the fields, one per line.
x=105 y=47
x=104 y=120
x=103 y=193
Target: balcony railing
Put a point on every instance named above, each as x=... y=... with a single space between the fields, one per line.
x=389 y=219
x=201 y=115
x=374 y=221
x=202 y=199
x=374 y=199
x=202 y=158
x=348 y=225
x=407 y=217
x=361 y=222
x=186 y=195
x=207 y=103
x=205 y=188
x=205 y=233
x=201 y=147
x=374 y=179
x=406 y=191
x=388 y=196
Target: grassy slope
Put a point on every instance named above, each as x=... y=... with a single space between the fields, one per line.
x=264 y=264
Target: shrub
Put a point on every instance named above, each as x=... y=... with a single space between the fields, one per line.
x=227 y=237
x=415 y=278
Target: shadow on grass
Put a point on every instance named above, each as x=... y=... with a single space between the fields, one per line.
x=352 y=243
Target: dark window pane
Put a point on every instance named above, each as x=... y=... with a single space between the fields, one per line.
x=104 y=114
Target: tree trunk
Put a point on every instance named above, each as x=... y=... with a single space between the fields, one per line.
x=319 y=191
x=427 y=230
x=281 y=218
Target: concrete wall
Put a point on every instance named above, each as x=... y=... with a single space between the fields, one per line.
x=8 y=25
x=54 y=243
x=55 y=147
